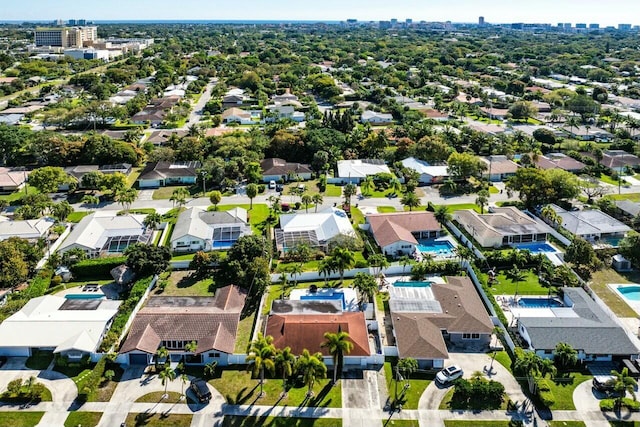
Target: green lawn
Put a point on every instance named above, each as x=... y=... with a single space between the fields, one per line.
x=333 y=190
x=503 y=358
x=84 y=419
x=462 y=206
x=183 y=257
x=133 y=176
x=182 y=283
x=158 y=420
x=446 y=403
x=493 y=190
x=166 y=192
x=252 y=421
x=245 y=329
x=257 y=215
x=599 y=281
x=475 y=423
x=531 y=285
x=18 y=194
x=287 y=266
x=357 y=217
x=412 y=395
x=239 y=388
x=607 y=179
x=156 y=396
x=633 y=197
x=563 y=388
x=77 y=216
x=403 y=423
x=386 y=209
x=566 y=424
x=20 y=419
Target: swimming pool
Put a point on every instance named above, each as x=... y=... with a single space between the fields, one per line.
x=222 y=244
x=630 y=292
x=436 y=247
x=325 y=296
x=536 y=247
x=412 y=284
x=539 y=302
x=84 y=296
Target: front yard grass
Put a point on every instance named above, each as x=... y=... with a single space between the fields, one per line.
x=239 y=388
x=253 y=421
x=599 y=281
x=164 y=193
x=633 y=197
x=386 y=209
x=84 y=419
x=462 y=206
x=77 y=216
x=447 y=403
x=20 y=419
x=333 y=190
x=403 y=423
x=530 y=286
x=418 y=383
x=357 y=217
x=158 y=420
x=257 y=215
x=156 y=396
x=566 y=424
x=563 y=388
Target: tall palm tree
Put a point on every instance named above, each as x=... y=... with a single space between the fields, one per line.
x=306 y=200
x=317 y=200
x=551 y=216
x=161 y=353
x=260 y=357
x=312 y=368
x=367 y=186
x=284 y=362
x=547 y=367
x=179 y=196
x=529 y=364
x=442 y=215
x=464 y=253
x=342 y=259
x=378 y=262
x=410 y=200
x=166 y=375
x=126 y=197
x=152 y=220
x=338 y=345
x=296 y=270
x=326 y=267
x=623 y=384
x=348 y=192
x=482 y=200
x=565 y=356
x=395 y=186
x=366 y=286
x=252 y=192
x=184 y=378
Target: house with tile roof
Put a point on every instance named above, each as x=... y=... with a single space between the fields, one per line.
x=398 y=233
x=447 y=314
x=275 y=169
x=174 y=322
x=12 y=179
x=236 y=115
x=580 y=322
x=197 y=229
x=503 y=226
x=559 y=161
x=499 y=168
x=161 y=174
x=619 y=159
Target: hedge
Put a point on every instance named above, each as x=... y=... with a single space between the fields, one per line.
x=96 y=268
x=95 y=378
x=38 y=285
x=545 y=394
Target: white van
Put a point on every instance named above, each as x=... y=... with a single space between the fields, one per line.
x=272 y=185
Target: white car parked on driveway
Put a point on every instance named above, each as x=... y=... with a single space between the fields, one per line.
x=449 y=374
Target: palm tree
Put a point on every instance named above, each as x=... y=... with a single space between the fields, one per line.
x=317 y=200
x=161 y=353
x=482 y=200
x=547 y=367
x=410 y=200
x=312 y=368
x=326 y=267
x=565 y=355
x=516 y=276
x=184 y=378
x=406 y=366
x=338 y=345
x=342 y=259
x=89 y=200
x=125 y=197
x=366 y=286
x=191 y=347
x=210 y=369
x=179 y=196
x=529 y=364
x=306 y=200
x=623 y=384
x=260 y=357
x=396 y=186
x=296 y=270
x=442 y=215
x=348 y=192
x=464 y=253
x=378 y=262
x=551 y=216
x=167 y=375
x=152 y=220
x=284 y=361
x=404 y=261
x=215 y=197
x=367 y=186
x=252 y=192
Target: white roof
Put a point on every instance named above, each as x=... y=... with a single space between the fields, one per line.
x=587 y=222
x=93 y=230
x=192 y=223
x=41 y=323
x=368 y=115
x=327 y=224
x=29 y=229
x=423 y=168
x=361 y=168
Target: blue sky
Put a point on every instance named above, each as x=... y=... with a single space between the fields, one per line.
x=604 y=12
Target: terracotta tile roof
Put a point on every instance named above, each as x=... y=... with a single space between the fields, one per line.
x=393 y=227
x=560 y=161
x=306 y=331
x=211 y=322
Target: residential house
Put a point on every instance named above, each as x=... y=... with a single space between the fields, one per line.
x=162 y=137
x=488 y=128
x=559 y=161
x=197 y=229
x=285 y=97
x=12 y=179
x=427 y=320
x=280 y=111
x=593 y=226
x=234 y=97
x=69 y=327
x=375 y=118
x=618 y=160
x=11 y=119
x=499 y=168
x=161 y=174
x=106 y=233
x=495 y=113
x=429 y=174
x=175 y=322
x=77 y=172
x=503 y=226
x=236 y=115
x=588 y=133
x=315 y=229
x=628 y=208
x=436 y=115
x=398 y=234
x=355 y=171
x=275 y=169
x=31 y=229
x=580 y=322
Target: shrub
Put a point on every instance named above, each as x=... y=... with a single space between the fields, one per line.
x=547 y=398
x=96 y=268
x=95 y=378
x=632 y=405
x=607 y=405
x=261 y=188
x=361 y=264
x=38 y=285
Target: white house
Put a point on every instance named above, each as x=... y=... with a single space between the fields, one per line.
x=72 y=327
x=197 y=229
x=106 y=233
x=428 y=174
x=355 y=171
x=285 y=112
x=374 y=118
x=315 y=229
x=593 y=225
x=236 y=115
x=31 y=229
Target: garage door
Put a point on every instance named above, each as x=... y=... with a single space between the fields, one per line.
x=138 y=359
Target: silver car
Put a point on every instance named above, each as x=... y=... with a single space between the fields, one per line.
x=449 y=374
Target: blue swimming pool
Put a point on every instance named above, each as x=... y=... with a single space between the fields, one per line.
x=536 y=247
x=436 y=247
x=84 y=296
x=412 y=284
x=222 y=244
x=630 y=292
x=325 y=296
x=539 y=302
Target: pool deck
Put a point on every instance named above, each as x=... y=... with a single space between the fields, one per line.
x=436 y=255
x=635 y=305
x=350 y=296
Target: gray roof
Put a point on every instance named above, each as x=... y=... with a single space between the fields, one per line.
x=588 y=328
x=200 y=223
x=628 y=207
x=592 y=221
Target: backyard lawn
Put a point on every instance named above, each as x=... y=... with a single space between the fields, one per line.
x=77 y=216
x=84 y=419
x=183 y=283
x=252 y=421
x=417 y=386
x=20 y=419
x=243 y=336
x=530 y=286
x=239 y=388
x=158 y=420
x=599 y=281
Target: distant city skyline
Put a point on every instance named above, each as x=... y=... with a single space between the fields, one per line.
x=499 y=11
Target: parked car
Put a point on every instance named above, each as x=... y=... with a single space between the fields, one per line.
x=449 y=374
x=604 y=383
x=200 y=389
x=272 y=185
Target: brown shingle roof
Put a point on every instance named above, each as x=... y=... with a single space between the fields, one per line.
x=500 y=164
x=306 y=331
x=275 y=166
x=553 y=161
x=393 y=227
x=417 y=337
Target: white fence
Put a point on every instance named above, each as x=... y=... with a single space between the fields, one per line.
x=53 y=247
x=137 y=308
x=468 y=243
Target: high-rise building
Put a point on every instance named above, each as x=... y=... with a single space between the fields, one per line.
x=581 y=26
x=65 y=36
x=594 y=26
x=624 y=27
x=72 y=22
x=408 y=21
x=567 y=25
x=481 y=21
